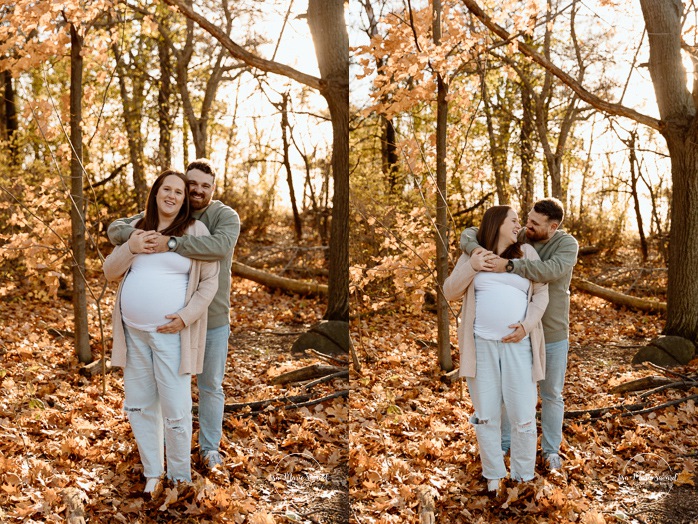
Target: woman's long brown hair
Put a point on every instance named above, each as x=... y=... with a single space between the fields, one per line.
x=488 y=233
x=151 y=220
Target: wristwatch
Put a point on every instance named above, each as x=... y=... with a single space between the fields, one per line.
x=510 y=266
x=172 y=243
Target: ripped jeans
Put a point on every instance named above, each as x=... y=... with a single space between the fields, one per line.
x=158 y=402
x=503 y=374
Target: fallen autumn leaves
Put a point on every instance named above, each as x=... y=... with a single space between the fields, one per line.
x=57 y=431
x=409 y=431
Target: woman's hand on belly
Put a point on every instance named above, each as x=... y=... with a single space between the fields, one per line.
x=518 y=334
x=175 y=326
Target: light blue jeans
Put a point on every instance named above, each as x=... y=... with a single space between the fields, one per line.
x=503 y=375
x=210 y=383
x=158 y=402
x=552 y=404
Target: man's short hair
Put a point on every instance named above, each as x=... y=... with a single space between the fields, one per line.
x=202 y=164
x=551 y=208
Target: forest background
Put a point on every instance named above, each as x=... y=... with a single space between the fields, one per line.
x=462 y=105
x=99 y=97
x=451 y=111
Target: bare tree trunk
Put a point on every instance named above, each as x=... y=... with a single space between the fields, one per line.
x=164 y=108
x=298 y=227
x=329 y=30
x=77 y=214
x=389 y=153
x=442 y=310
x=631 y=143
x=10 y=116
x=528 y=151
x=499 y=140
x=132 y=105
x=677 y=109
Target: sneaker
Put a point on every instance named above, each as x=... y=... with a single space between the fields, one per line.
x=211 y=458
x=151 y=485
x=493 y=485
x=553 y=461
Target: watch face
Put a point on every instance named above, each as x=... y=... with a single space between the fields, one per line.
x=171 y=243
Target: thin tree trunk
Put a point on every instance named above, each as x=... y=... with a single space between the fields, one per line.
x=329 y=30
x=442 y=310
x=528 y=152
x=298 y=227
x=164 y=107
x=389 y=154
x=10 y=114
x=631 y=143
x=131 y=110
x=77 y=214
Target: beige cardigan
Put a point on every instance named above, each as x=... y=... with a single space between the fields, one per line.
x=202 y=286
x=458 y=285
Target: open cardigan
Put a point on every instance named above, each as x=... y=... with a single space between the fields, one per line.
x=459 y=284
x=202 y=286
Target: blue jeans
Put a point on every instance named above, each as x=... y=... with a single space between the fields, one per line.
x=158 y=402
x=503 y=375
x=210 y=383
x=552 y=404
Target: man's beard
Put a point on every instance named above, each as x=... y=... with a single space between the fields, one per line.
x=533 y=236
x=199 y=204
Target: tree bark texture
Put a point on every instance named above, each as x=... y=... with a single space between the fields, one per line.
x=327 y=25
x=442 y=309
x=678 y=112
x=77 y=205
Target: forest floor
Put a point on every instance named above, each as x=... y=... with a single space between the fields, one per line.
x=411 y=442
x=61 y=435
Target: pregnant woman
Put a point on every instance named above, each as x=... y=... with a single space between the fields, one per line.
x=159 y=326
x=502 y=352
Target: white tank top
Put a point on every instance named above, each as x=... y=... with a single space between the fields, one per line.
x=501 y=300
x=155 y=286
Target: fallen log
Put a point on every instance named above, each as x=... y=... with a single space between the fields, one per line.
x=340 y=374
x=305 y=373
x=626 y=410
x=641 y=384
x=260 y=404
x=276 y=282
x=337 y=394
x=620 y=299
x=96 y=368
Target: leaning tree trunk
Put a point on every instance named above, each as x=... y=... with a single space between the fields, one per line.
x=680 y=129
x=442 y=310
x=329 y=30
x=77 y=214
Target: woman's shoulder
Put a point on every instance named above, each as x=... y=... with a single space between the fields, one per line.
x=197 y=228
x=529 y=251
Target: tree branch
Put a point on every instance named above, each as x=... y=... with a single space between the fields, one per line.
x=240 y=53
x=590 y=98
